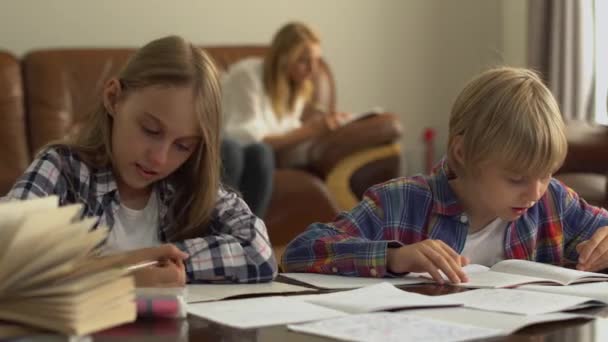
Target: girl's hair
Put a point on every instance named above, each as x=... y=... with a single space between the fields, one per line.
x=286 y=47
x=508 y=116
x=169 y=61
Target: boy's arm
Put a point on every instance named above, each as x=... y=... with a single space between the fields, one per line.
x=236 y=249
x=581 y=220
x=353 y=245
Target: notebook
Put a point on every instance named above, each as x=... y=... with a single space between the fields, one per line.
x=50 y=276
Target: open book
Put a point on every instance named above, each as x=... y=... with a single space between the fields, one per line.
x=50 y=276
x=362 y=115
x=514 y=272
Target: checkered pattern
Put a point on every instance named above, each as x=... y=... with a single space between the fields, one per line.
x=234 y=248
x=408 y=210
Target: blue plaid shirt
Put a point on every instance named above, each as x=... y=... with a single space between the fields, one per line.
x=411 y=209
x=235 y=249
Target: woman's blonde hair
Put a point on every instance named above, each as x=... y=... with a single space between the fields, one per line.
x=286 y=47
x=169 y=61
x=507 y=115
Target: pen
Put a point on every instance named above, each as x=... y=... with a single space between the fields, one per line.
x=135 y=267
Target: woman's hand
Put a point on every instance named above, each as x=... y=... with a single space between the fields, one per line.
x=328 y=122
x=429 y=256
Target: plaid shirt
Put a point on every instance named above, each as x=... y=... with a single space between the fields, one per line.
x=236 y=249
x=408 y=210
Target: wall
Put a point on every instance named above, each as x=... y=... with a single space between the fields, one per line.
x=410 y=57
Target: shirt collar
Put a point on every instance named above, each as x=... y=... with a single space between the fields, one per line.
x=445 y=201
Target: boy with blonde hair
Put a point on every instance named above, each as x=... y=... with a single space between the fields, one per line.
x=491 y=198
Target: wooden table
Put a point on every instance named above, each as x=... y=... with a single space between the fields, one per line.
x=198 y=329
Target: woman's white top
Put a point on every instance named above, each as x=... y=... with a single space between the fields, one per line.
x=485 y=246
x=134 y=229
x=247 y=110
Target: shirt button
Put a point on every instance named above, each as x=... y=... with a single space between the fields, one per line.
x=334 y=269
x=464 y=219
x=373 y=272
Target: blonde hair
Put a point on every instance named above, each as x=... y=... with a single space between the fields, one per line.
x=169 y=61
x=507 y=115
x=286 y=46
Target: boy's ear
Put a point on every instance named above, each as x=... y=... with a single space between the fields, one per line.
x=111 y=94
x=458 y=149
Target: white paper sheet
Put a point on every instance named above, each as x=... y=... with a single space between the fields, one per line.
x=518 y=301
x=328 y=281
x=507 y=323
x=210 y=292
x=378 y=297
x=389 y=327
x=261 y=312
x=597 y=291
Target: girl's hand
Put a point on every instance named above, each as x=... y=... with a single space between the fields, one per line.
x=165 y=274
x=429 y=256
x=161 y=253
x=593 y=253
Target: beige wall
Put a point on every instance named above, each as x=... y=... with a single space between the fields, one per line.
x=408 y=56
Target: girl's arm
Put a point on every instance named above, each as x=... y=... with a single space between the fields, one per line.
x=45 y=176
x=237 y=248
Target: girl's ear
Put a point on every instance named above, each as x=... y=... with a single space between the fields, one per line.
x=111 y=94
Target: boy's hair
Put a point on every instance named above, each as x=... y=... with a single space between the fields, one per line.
x=286 y=46
x=169 y=61
x=508 y=116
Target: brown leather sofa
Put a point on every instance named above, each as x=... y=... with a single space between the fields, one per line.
x=43 y=94
x=586 y=167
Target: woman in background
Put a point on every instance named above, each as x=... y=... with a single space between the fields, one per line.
x=263 y=100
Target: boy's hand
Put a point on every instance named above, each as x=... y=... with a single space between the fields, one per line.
x=593 y=253
x=428 y=256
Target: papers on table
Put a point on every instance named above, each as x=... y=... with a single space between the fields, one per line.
x=519 y=301
x=389 y=327
x=211 y=292
x=506 y=323
x=265 y=311
x=378 y=297
x=328 y=281
x=597 y=291
x=261 y=312
x=506 y=310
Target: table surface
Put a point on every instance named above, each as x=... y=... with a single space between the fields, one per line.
x=197 y=329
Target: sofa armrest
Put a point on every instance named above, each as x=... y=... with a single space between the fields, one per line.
x=326 y=151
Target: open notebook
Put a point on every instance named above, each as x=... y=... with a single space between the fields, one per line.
x=514 y=272
x=49 y=275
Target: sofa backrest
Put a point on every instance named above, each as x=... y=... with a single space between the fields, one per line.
x=63 y=84
x=14 y=155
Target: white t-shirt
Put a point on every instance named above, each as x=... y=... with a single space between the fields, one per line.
x=485 y=246
x=247 y=110
x=134 y=229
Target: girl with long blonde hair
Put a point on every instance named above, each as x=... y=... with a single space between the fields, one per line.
x=147 y=163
